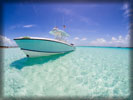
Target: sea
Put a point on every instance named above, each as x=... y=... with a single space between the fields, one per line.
x=85 y=72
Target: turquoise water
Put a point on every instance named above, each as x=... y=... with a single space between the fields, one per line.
x=87 y=72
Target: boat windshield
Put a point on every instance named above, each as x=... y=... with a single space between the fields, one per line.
x=59 y=34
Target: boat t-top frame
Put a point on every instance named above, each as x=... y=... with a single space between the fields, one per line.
x=59 y=34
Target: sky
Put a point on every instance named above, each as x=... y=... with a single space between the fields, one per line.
x=88 y=24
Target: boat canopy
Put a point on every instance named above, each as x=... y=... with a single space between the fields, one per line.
x=58 y=33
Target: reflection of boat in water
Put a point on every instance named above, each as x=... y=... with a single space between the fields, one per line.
x=34 y=47
x=28 y=62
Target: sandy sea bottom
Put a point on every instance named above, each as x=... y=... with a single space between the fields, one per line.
x=87 y=71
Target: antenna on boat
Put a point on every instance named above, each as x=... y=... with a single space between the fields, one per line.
x=55 y=24
x=64 y=26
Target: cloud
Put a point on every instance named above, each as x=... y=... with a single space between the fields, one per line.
x=76 y=38
x=28 y=26
x=15 y=26
x=6 y=41
x=115 y=41
x=12 y=27
x=65 y=11
x=98 y=42
x=88 y=20
x=78 y=41
x=21 y=26
x=81 y=18
x=83 y=39
x=126 y=9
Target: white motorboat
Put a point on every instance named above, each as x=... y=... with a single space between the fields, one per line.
x=34 y=47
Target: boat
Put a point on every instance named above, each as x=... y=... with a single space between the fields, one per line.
x=35 y=46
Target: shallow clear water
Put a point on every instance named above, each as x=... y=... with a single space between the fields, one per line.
x=88 y=71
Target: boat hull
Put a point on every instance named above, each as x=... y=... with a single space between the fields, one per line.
x=37 y=54
x=34 y=47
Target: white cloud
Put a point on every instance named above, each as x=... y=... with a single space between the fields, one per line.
x=21 y=26
x=98 y=42
x=79 y=41
x=125 y=6
x=126 y=9
x=15 y=26
x=127 y=38
x=65 y=11
x=76 y=38
x=6 y=41
x=119 y=41
x=114 y=39
x=88 y=20
x=12 y=27
x=83 y=39
x=81 y=18
x=28 y=26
